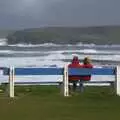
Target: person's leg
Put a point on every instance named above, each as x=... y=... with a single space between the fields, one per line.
x=69 y=86
x=74 y=86
x=81 y=85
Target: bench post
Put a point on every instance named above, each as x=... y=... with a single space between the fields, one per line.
x=65 y=81
x=117 y=80
x=11 y=82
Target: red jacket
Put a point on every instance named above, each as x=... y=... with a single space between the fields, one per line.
x=75 y=64
x=88 y=77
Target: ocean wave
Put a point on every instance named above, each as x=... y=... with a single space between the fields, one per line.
x=6 y=52
x=60 y=61
x=16 y=53
x=59 y=45
x=34 y=45
x=3 y=42
x=86 y=51
x=63 y=52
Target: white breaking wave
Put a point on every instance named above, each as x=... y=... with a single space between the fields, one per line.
x=50 y=60
x=30 y=62
x=89 y=51
x=3 y=41
x=21 y=52
x=57 y=57
x=67 y=54
x=86 y=45
x=85 y=51
x=59 y=45
x=35 y=45
x=94 y=51
x=51 y=52
x=6 y=51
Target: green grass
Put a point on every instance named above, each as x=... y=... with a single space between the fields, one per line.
x=47 y=103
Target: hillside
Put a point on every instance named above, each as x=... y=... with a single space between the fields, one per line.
x=4 y=33
x=65 y=35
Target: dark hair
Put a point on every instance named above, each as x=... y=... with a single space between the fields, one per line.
x=75 y=59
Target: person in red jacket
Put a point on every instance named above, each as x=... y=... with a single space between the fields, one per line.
x=74 y=78
x=86 y=64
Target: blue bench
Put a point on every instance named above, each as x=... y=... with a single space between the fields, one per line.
x=60 y=71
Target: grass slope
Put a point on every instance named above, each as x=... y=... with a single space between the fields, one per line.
x=46 y=103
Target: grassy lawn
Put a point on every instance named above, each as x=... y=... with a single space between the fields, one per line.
x=46 y=103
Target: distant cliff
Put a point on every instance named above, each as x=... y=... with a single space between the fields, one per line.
x=67 y=35
x=4 y=33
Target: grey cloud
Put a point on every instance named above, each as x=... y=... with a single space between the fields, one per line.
x=94 y=13
x=36 y=13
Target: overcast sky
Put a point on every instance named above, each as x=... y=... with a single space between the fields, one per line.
x=37 y=13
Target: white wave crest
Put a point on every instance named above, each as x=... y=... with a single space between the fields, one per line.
x=89 y=51
x=6 y=51
x=65 y=52
x=3 y=41
x=57 y=45
x=86 y=45
x=34 y=45
x=49 y=45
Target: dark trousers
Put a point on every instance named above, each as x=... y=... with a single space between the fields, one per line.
x=81 y=85
x=74 y=85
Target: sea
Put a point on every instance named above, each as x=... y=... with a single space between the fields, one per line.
x=55 y=55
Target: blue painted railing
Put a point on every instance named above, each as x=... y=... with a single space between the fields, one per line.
x=93 y=71
x=39 y=71
x=60 y=71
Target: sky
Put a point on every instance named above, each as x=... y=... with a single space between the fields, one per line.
x=16 y=14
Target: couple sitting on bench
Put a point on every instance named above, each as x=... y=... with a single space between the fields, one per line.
x=74 y=79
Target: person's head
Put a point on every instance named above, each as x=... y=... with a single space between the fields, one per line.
x=75 y=60
x=87 y=60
